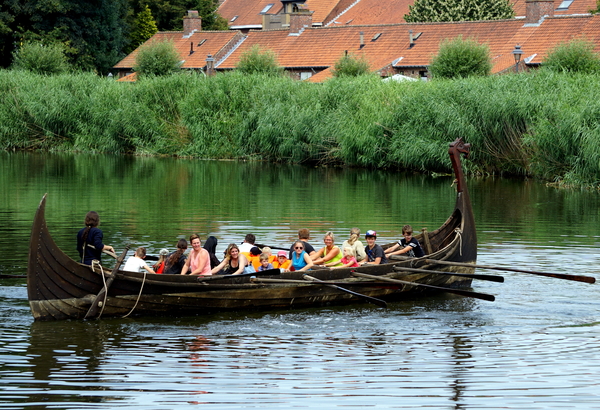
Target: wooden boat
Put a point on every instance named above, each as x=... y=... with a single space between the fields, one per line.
x=61 y=288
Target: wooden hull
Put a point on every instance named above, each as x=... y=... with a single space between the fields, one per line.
x=61 y=288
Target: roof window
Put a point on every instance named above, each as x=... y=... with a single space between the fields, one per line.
x=564 y=5
x=376 y=36
x=233 y=19
x=267 y=8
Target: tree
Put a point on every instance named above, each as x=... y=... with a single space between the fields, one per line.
x=157 y=58
x=211 y=20
x=168 y=14
x=258 y=61
x=94 y=32
x=460 y=58
x=458 y=10
x=351 y=66
x=573 y=56
x=144 y=27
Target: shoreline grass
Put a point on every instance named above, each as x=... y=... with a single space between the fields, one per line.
x=542 y=125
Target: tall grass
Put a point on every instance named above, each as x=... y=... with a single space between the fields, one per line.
x=543 y=124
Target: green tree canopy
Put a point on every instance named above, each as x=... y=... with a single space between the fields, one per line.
x=458 y=10
x=574 y=56
x=258 y=61
x=157 y=58
x=144 y=27
x=351 y=66
x=460 y=58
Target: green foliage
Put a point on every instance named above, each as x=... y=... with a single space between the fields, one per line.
x=458 y=10
x=258 y=61
x=460 y=58
x=542 y=124
x=157 y=58
x=144 y=27
x=40 y=58
x=351 y=65
x=575 y=56
x=211 y=20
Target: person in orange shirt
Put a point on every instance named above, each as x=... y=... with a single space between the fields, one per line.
x=282 y=261
x=253 y=256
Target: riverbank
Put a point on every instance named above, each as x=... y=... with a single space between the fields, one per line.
x=539 y=125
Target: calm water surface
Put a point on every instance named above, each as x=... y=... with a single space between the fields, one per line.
x=535 y=347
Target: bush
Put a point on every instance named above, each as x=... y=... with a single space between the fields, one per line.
x=460 y=58
x=258 y=61
x=157 y=58
x=40 y=58
x=574 y=56
x=352 y=66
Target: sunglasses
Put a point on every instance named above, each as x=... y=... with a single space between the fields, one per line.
x=298 y=247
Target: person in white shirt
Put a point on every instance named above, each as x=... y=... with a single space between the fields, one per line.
x=136 y=262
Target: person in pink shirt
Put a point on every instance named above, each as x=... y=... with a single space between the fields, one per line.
x=348 y=260
x=198 y=261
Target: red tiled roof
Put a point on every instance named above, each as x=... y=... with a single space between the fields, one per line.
x=577 y=7
x=247 y=12
x=373 y=12
x=321 y=9
x=204 y=43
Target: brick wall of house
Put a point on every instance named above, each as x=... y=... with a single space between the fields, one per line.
x=536 y=9
x=300 y=20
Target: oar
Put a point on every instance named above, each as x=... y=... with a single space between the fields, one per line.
x=468 y=293
x=96 y=304
x=375 y=301
x=309 y=283
x=492 y=278
x=4 y=276
x=272 y=247
x=577 y=278
x=268 y=272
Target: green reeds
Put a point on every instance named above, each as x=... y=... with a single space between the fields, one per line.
x=539 y=124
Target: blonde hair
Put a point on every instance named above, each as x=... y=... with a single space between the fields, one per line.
x=331 y=235
x=354 y=234
x=263 y=257
x=350 y=251
x=267 y=250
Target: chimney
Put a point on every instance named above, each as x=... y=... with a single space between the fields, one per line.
x=210 y=65
x=299 y=20
x=362 y=39
x=191 y=23
x=535 y=10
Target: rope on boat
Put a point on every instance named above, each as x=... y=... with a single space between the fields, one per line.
x=460 y=238
x=139 y=296
x=96 y=262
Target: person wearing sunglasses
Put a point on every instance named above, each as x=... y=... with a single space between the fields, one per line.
x=300 y=259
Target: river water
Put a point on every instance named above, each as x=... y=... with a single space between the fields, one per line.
x=535 y=347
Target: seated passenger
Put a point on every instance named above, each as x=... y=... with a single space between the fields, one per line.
x=304 y=236
x=355 y=244
x=349 y=260
x=211 y=246
x=159 y=266
x=282 y=261
x=330 y=254
x=253 y=257
x=136 y=262
x=248 y=243
x=198 y=261
x=234 y=262
x=407 y=245
x=266 y=250
x=264 y=263
x=375 y=254
x=300 y=259
x=176 y=260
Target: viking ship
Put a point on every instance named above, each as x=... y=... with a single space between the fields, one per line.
x=61 y=288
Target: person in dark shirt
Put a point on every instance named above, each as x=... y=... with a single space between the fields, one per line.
x=176 y=260
x=89 y=240
x=407 y=245
x=375 y=254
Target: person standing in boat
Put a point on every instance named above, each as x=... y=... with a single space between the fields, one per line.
x=176 y=260
x=304 y=236
x=136 y=262
x=329 y=254
x=198 y=261
x=89 y=240
x=234 y=263
x=300 y=259
x=407 y=245
x=375 y=254
x=355 y=244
